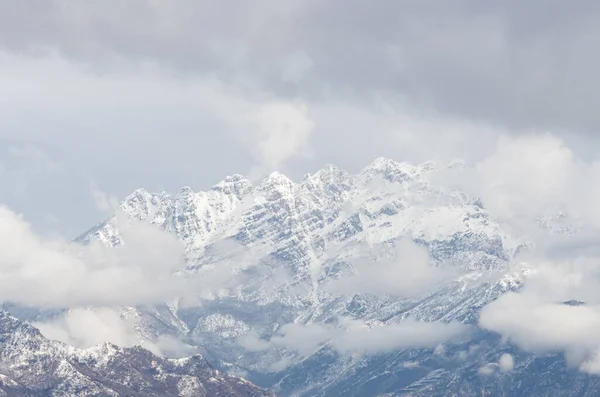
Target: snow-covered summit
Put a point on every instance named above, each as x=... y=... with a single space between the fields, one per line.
x=385 y=200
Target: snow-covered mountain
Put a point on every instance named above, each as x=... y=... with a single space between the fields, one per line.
x=286 y=246
x=31 y=365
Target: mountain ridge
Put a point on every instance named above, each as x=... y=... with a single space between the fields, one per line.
x=31 y=365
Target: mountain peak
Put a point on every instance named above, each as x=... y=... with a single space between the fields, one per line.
x=390 y=170
x=185 y=191
x=381 y=162
x=139 y=192
x=235 y=184
x=330 y=171
x=8 y=323
x=276 y=179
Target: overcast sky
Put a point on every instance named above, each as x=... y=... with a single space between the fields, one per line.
x=115 y=95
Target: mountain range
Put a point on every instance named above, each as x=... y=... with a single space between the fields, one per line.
x=323 y=282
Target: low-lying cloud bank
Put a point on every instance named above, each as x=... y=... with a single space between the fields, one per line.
x=87 y=327
x=541 y=326
x=354 y=336
x=51 y=272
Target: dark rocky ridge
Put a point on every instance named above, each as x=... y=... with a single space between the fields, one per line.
x=31 y=365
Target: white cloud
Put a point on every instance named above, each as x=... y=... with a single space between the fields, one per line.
x=411 y=364
x=536 y=325
x=170 y=346
x=354 y=336
x=283 y=132
x=105 y=203
x=146 y=269
x=410 y=272
x=522 y=178
x=303 y=338
x=524 y=173
x=89 y=327
x=273 y=130
x=541 y=326
x=253 y=342
x=406 y=334
x=506 y=363
x=50 y=272
x=532 y=175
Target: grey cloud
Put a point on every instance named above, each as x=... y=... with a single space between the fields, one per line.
x=113 y=87
x=521 y=64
